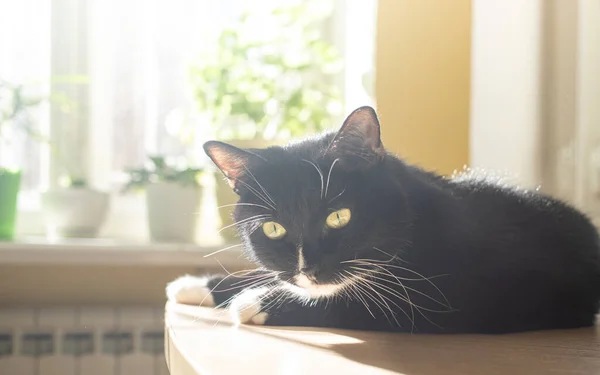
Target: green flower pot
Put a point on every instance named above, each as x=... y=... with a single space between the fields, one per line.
x=10 y=182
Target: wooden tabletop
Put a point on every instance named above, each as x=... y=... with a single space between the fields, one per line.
x=202 y=341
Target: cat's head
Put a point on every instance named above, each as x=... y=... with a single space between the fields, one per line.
x=309 y=209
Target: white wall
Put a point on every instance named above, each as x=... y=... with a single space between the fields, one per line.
x=505 y=87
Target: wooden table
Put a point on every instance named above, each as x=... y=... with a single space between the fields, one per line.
x=203 y=341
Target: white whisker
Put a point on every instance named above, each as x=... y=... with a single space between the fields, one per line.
x=329 y=176
x=278 y=300
x=255 y=217
x=320 y=174
x=224 y=249
x=258 y=194
x=244 y=204
x=261 y=187
x=366 y=277
x=372 y=271
x=337 y=196
x=411 y=317
x=352 y=288
x=404 y=298
x=264 y=280
x=379 y=305
x=249 y=270
x=385 y=263
x=369 y=260
x=256 y=284
x=256 y=277
x=384 y=252
x=417 y=307
x=401 y=285
x=423 y=278
x=383 y=298
x=393 y=293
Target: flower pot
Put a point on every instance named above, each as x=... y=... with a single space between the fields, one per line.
x=173 y=211
x=9 y=189
x=75 y=211
x=226 y=198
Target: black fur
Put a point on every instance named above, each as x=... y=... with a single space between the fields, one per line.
x=472 y=256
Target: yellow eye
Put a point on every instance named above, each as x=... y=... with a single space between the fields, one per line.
x=339 y=218
x=273 y=230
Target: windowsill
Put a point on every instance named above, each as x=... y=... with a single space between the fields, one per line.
x=113 y=252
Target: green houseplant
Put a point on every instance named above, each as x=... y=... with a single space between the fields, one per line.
x=10 y=181
x=258 y=88
x=15 y=106
x=173 y=198
x=269 y=85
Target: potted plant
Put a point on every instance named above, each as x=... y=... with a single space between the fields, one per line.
x=15 y=105
x=258 y=89
x=173 y=198
x=75 y=209
x=10 y=181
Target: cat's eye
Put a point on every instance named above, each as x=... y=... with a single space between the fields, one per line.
x=339 y=218
x=273 y=230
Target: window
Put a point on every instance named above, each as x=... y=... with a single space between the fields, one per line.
x=136 y=55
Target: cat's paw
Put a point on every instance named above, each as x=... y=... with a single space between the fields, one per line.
x=190 y=290
x=246 y=307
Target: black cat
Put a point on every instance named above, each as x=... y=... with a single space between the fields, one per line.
x=347 y=235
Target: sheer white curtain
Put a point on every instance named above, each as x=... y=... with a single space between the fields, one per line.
x=24 y=59
x=140 y=52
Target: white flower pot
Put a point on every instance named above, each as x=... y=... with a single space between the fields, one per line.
x=75 y=212
x=173 y=211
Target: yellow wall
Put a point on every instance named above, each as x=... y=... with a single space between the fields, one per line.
x=422 y=80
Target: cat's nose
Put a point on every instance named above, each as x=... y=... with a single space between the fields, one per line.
x=310 y=272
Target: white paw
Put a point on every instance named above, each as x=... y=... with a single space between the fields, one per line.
x=190 y=290
x=246 y=307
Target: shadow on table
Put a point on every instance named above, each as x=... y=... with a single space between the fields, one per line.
x=555 y=352
x=550 y=352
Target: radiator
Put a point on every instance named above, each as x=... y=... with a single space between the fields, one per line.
x=82 y=341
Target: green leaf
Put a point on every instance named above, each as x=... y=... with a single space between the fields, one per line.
x=158 y=161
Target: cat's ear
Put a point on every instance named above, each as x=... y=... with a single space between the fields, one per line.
x=232 y=161
x=358 y=142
